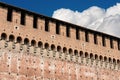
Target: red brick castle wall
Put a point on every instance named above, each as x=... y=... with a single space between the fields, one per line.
x=36 y=47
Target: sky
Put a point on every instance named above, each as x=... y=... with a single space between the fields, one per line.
x=99 y=15
x=47 y=7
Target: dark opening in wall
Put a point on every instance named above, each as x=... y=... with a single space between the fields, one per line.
x=58 y=48
x=35 y=21
x=40 y=44
x=22 y=21
x=118 y=61
x=101 y=58
x=81 y=53
x=19 y=39
x=11 y=38
x=46 y=46
x=96 y=57
x=110 y=60
x=86 y=36
x=64 y=50
x=26 y=41
x=46 y=25
x=57 y=28
x=33 y=43
x=111 y=43
x=105 y=59
x=91 y=56
x=67 y=31
x=103 y=40
x=77 y=34
x=9 y=14
x=86 y=55
x=118 y=44
x=70 y=51
x=3 y=36
x=95 y=39
x=75 y=52
x=114 y=61
x=53 y=47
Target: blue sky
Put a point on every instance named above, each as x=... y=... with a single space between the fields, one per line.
x=47 y=7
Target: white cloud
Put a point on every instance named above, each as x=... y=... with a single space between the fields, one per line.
x=107 y=21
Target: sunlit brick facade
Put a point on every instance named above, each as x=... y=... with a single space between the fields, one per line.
x=36 y=47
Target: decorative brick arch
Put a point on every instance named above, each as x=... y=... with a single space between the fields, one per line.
x=11 y=37
x=19 y=39
x=3 y=36
x=33 y=43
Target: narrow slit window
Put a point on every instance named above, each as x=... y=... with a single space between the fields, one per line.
x=9 y=14
x=118 y=42
x=111 y=43
x=103 y=41
x=35 y=22
x=46 y=25
x=77 y=34
x=67 y=31
x=86 y=36
x=95 y=38
x=22 y=18
x=57 y=28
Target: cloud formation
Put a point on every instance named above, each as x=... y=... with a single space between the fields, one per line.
x=96 y=18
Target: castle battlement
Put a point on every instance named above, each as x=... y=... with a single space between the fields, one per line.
x=26 y=32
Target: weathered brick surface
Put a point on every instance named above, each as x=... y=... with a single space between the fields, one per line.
x=56 y=57
x=33 y=67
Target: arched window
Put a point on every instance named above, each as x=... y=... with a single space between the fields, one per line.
x=53 y=47
x=46 y=46
x=100 y=58
x=110 y=60
x=58 y=48
x=96 y=57
x=3 y=36
x=105 y=59
x=86 y=55
x=64 y=50
x=81 y=53
x=33 y=43
x=118 y=61
x=114 y=61
x=75 y=52
x=70 y=51
x=91 y=56
x=40 y=44
x=19 y=39
x=26 y=41
x=11 y=38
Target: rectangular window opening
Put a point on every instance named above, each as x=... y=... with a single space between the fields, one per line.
x=46 y=25
x=67 y=31
x=77 y=34
x=57 y=28
x=35 y=22
x=95 y=39
x=103 y=41
x=22 y=18
x=111 y=43
x=9 y=14
x=118 y=42
x=86 y=36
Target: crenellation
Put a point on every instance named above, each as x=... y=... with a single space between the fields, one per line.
x=63 y=30
x=16 y=17
x=52 y=27
x=82 y=36
x=29 y=22
x=49 y=48
x=72 y=34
